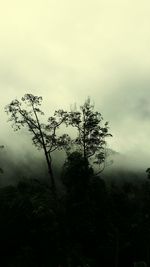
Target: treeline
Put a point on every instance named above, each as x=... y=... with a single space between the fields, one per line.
x=88 y=223
x=91 y=224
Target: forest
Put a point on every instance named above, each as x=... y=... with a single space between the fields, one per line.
x=85 y=221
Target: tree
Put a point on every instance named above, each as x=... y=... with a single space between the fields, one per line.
x=76 y=172
x=148 y=173
x=91 y=134
x=27 y=113
x=29 y=226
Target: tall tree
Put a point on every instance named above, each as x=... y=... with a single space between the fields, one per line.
x=91 y=134
x=27 y=113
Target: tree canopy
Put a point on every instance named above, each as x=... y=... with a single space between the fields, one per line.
x=27 y=113
x=91 y=133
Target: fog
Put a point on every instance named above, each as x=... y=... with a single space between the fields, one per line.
x=68 y=50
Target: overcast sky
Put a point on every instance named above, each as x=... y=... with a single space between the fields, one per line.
x=67 y=50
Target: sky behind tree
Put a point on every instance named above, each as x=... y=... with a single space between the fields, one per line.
x=68 y=50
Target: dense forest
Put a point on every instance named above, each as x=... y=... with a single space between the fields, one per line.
x=85 y=222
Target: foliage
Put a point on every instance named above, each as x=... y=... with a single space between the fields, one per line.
x=92 y=229
x=27 y=113
x=76 y=171
x=148 y=173
x=92 y=224
x=91 y=137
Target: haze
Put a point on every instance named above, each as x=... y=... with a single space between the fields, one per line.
x=68 y=50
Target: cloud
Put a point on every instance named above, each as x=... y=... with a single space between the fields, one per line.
x=68 y=50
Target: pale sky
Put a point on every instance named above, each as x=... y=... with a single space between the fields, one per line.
x=67 y=50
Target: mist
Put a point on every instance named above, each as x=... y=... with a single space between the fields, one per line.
x=68 y=51
x=55 y=208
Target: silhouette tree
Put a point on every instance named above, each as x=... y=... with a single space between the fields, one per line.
x=148 y=173
x=91 y=134
x=86 y=211
x=27 y=113
x=29 y=230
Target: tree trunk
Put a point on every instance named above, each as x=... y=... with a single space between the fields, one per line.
x=46 y=155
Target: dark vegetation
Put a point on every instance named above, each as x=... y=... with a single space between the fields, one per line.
x=88 y=223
